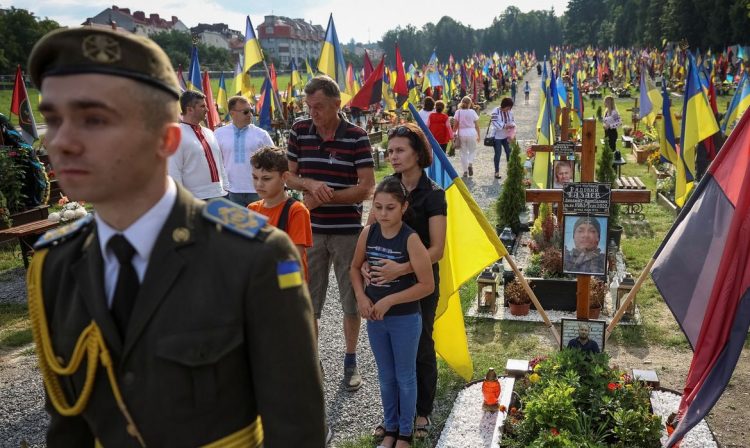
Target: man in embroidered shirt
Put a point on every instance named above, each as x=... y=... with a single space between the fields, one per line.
x=331 y=161
x=238 y=142
x=197 y=164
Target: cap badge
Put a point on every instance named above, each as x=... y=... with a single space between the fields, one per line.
x=101 y=49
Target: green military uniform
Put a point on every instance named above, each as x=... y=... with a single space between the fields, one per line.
x=212 y=343
x=221 y=334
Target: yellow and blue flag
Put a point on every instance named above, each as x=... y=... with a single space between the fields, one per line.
x=698 y=123
x=289 y=274
x=739 y=104
x=296 y=79
x=470 y=245
x=194 y=80
x=221 y=96
x=265 y=105
x=308 y=70
x=331 y=61
x=253 y=53
x=650 y=98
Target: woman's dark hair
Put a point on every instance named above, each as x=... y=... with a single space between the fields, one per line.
x=429 y=103
x=392 y=185
x=506 y=102
x=417 y=140
x=439 y=106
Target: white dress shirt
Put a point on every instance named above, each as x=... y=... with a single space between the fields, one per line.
x=499 y=119
x=237 y=146
x=189 y=166
x=141 y=235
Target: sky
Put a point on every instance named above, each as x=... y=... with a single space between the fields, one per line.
x=364 y=21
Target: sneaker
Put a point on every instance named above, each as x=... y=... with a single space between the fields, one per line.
x=471 y=170
x=352 y=378
x=466 y=174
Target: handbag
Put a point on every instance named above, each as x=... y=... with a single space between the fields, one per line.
x=489 y=141
x=456 y=139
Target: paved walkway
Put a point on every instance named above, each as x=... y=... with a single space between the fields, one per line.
x=350 y=414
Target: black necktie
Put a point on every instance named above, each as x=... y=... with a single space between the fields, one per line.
x=126 y=290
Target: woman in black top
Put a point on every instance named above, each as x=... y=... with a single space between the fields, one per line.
x=409 y=154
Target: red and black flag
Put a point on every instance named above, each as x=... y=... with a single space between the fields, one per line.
x=400 y=89
x=372 y=91
x=702 y=270
x=20 y=106
x=367 y=66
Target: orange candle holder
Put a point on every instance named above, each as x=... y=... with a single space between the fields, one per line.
x=490 y=391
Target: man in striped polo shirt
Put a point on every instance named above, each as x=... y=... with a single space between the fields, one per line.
x=331 y=161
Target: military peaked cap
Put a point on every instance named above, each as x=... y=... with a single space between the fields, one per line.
x=86 y=50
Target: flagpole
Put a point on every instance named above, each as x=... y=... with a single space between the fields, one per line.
x=275 y=93
x=629 y=299
x=533 y=297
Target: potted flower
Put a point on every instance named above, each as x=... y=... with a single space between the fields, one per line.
x=518 y=300
x=597 y=294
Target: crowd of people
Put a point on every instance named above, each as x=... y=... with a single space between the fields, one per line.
x=193 y=294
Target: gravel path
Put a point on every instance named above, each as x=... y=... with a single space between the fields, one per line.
x=351 y=414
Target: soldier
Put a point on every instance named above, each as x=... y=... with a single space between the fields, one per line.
x=192 y=317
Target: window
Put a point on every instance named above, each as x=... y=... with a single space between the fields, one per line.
x=269 y=30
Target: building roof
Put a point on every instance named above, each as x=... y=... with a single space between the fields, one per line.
x=284 y=27
x=139 y=17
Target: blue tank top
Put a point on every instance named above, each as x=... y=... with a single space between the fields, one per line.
x=378 y=248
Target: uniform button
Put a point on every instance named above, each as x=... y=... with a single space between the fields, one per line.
x=128 y=379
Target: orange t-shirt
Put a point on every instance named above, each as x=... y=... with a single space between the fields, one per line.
x=298 y=225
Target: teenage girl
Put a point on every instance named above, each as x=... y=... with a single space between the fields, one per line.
x=394 y=322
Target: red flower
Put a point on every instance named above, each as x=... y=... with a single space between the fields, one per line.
x=611 y=386
x=513 y=410
x=502 y=408
x=555 y=432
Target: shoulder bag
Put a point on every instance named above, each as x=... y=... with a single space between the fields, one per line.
x=456 y=139
x=489 y=141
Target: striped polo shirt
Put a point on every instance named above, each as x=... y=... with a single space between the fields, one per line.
x=334 y=162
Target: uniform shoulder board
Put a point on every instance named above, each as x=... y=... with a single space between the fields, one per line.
x=234 y=217
x=63 y=233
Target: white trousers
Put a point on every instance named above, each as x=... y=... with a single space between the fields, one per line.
x=466 y=151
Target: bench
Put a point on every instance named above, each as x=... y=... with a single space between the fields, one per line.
x=27 y=235
x=627 y=141
x=634 y=205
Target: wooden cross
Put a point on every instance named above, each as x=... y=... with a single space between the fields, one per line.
x=588 y=162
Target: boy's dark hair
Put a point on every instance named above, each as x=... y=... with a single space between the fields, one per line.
x=393 y=186
x=429 y=103
x=270 y=158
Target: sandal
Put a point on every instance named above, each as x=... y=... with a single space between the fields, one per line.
x=402 y=438
x=379 y=432
x=422 y=431
x=393 y=434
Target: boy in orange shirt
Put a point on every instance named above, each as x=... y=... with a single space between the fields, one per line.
x=270 y=172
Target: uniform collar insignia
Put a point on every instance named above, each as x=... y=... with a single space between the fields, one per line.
x=234 y=217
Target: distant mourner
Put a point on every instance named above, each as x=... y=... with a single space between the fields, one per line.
x=190 y=318
x=197 y=164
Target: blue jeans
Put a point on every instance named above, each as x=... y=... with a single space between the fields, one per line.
x=499 y=145
x=243 y=199
x=394 y=342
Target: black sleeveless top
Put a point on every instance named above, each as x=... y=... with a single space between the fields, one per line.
x=378 y=248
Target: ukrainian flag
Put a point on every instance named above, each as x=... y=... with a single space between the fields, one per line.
x=194 y=80
x=331 y=61
x=470 y=245
x=740 y=103
x=289 y=274
x=698 y=123
x=253 y=53
x=650 y=98
x=221 y=96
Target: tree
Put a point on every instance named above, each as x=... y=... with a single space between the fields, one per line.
x=512 y=200
x=21 y=30
x=179 y=46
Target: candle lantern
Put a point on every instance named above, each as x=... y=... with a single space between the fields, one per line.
x=487 y=291
x=623 y=289
x=490 y=391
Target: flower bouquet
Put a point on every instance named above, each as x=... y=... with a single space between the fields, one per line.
x=70 y=211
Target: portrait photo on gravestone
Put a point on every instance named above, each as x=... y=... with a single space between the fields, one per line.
x=563 y=171
x=583 y=334
x=585 y=247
